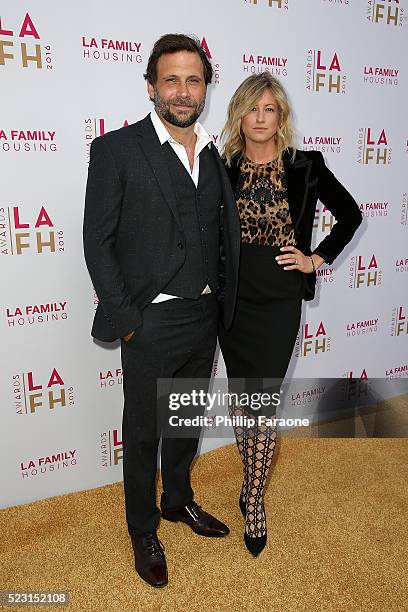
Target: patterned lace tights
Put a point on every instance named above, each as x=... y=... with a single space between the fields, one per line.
x=256 y=446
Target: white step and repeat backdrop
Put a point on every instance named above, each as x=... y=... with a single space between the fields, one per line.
x=72 y=71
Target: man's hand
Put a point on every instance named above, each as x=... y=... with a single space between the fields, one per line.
x=128 y=336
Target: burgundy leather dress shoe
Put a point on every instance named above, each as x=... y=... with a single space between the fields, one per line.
x=201 y=522
x=150 y=561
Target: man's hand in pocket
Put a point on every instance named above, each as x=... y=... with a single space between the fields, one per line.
x=128 y=336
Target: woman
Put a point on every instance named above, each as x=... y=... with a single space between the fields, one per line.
x=276 y=189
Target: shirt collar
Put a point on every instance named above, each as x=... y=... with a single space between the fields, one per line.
x=203 y=139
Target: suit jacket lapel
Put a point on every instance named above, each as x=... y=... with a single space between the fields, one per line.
x=223 y=176
x=153 y=152
x=228 y=188
x=298 y=180
x=233 y=173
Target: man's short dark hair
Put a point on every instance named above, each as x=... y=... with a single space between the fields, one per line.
x=171 y=43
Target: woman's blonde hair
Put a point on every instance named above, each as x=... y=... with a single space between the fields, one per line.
x=243 y=100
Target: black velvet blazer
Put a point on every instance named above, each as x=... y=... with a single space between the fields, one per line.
x=309 y=180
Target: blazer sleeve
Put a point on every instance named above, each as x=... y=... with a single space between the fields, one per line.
x=220 y=294
x=103 y=202
x=344 y=208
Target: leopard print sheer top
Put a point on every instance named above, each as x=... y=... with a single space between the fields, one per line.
x=263 y=207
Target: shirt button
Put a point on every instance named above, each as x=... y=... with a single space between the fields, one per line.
x=202 y=229
x=180 y=245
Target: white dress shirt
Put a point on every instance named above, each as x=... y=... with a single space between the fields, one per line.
x=203 y=139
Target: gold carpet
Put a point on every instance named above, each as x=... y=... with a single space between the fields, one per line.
x=337 y=538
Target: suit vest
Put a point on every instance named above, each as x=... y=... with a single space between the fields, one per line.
x=199 y=210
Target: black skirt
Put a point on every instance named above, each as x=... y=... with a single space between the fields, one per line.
x=260 y=342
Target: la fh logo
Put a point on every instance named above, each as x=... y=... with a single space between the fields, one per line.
x=350 y=375
x=312 y=340
x=324 y=220
x=373 y=147
x=355 y=384
x=111 y=448
x=404 y=210
x=94 y=128
x=22 y=232
x=280 y=4
x=364 y=272
x=399 y=322
x=215 y=65
x=30 y=53
x=32 y=394
x=388 y=12
x=324 y=72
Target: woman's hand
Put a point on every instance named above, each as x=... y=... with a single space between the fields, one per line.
x=293 y=259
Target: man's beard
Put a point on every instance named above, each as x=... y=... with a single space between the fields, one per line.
x=163 y=110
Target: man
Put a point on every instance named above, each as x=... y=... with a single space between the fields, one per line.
x=159 y=212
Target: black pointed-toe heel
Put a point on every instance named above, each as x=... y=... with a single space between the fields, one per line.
x=255 y=545
x=242 y=506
